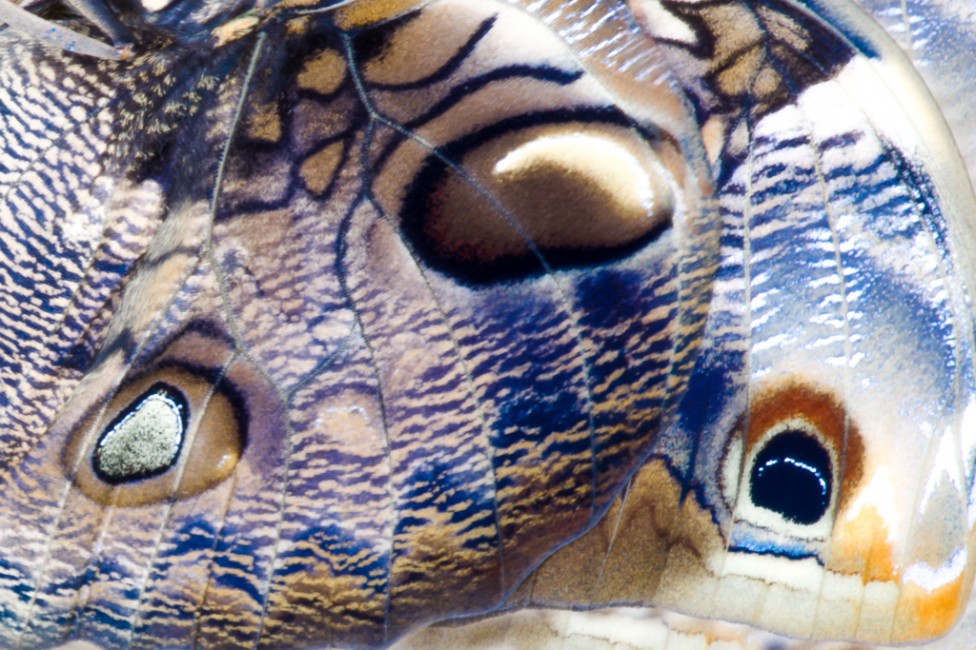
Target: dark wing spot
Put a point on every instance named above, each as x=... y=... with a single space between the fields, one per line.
x=792 y=476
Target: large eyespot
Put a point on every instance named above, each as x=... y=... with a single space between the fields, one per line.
x=171 y=434
x=792 y=476
x=556 y=195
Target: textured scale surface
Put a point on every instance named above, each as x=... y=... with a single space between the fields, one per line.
x=323 y=322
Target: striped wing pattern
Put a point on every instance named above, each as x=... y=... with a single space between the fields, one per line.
x=324 y=321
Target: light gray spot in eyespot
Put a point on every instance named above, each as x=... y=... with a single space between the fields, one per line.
x=145 y=439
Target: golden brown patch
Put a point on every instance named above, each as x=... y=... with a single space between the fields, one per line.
x=265 y=124
x=648 y=536
x=291 y=4
x=319 y=169
x=859 y=547
x=323 y=73
x=929 y=613
x=412 y=54
x=369 y=12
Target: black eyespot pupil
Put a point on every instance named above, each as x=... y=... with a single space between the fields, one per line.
x=792 y=476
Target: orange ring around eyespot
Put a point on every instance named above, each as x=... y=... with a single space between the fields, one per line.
x=794 y=399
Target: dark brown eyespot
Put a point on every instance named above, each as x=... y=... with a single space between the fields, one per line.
x=551 y=195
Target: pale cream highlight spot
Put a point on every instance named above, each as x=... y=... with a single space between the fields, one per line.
x=235 y=28
x=614 y=167
x=156 y=5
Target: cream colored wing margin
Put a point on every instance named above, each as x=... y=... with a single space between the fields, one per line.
x=625 y=628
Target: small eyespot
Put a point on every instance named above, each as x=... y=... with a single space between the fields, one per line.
x=792 y=460
x=172 y=434
x=792 y=476
x=145 y=440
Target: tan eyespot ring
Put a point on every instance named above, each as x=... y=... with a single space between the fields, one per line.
x=169 y=435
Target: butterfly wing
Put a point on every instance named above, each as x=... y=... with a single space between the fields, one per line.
x=367 y=355
x=818 y=483
x=353 y=327
x=773 y=364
